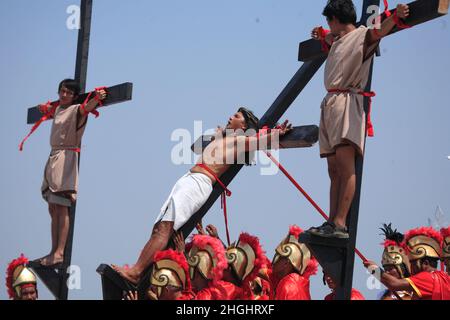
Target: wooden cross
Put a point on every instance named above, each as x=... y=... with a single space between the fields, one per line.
x=56 y=279
x=337 y=256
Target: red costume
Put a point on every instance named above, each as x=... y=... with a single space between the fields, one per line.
x=294 y=286
x=221 y=290
x=431 y=285
x=356 y=295
x=427 y=243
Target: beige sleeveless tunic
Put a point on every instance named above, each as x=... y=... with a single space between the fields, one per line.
x=61 y=170
x=342 y=114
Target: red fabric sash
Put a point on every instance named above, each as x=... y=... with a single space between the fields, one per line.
x=226 y=193
x=322 y=34
x=49 y=110
x=370 y=95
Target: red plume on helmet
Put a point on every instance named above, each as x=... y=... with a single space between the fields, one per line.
x=203 y=242
x=424 y=231
x=21 y=261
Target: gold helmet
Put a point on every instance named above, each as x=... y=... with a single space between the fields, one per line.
x=297 y=253
x=170 y=268
x=207 y=256
x=18 y=277
x=246 y=257
x=395 y=251
x=423 y=242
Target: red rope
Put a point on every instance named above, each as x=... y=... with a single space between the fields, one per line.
x=226 y=193
x=306 y=195
x=83 y=105
x=322 y=34
x=370 y=95
x=49 y=110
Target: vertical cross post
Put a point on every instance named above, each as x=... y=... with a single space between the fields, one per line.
x=80 y=76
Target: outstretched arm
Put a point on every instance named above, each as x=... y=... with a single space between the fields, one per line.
x=318 y=34
x=265 y=141
x=387 y=25
x=93 y=103
x=391 y=282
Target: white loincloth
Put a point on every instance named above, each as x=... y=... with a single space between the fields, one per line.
x=188 y=195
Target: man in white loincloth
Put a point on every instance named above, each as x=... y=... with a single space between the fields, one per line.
x=193 y=189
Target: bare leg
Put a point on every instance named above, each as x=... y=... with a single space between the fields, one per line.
x=345 y=164
x=55 y=223
x=54 y=231
x=162 y=231
x=63 y=222
x=334 y=186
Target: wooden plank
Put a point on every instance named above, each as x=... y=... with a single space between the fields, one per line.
x=50 y=278
x=298 y=137
x=116 y=94
x=421 y=11
x=113 y=284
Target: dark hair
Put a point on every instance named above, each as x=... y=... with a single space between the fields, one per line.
x=250 y=119
x=70 y=84
x=433 y=262
x=343 y=10
x=252 y=122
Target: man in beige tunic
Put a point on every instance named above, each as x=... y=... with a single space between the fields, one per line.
x=343 y=124
x=60 y=184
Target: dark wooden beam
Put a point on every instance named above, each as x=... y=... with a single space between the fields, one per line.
x=52 y=278
x=84 y=34
x=116 y=94
x=420 y=11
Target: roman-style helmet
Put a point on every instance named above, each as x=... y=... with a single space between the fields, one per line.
x=207 y=256
x=395 y=251
x=297 y=253
x=423 y=242
x=246 y=257
x=19 y=277
x=445 y=232
x=170 y=268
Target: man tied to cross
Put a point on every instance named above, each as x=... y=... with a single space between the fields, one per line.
x=342 y=124
x=60 y=184
x=192 y=190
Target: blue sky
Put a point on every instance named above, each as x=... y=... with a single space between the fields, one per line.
x=200 y=60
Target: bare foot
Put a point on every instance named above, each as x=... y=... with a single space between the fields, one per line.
x=52 y=260
x=43 y=258
x=127 y=273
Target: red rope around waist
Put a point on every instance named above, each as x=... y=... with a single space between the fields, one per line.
x=226 y=193
x=370 y=95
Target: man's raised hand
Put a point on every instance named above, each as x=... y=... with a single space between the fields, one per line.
x=403 y=11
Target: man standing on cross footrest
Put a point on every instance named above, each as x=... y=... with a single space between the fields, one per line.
x=60 y=184
x=343 y=124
